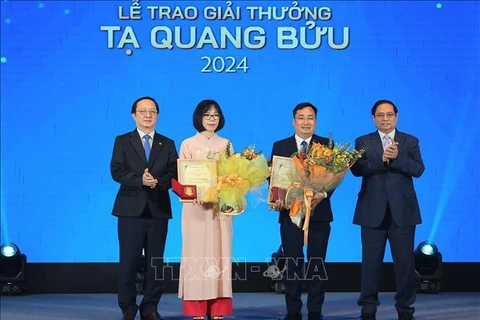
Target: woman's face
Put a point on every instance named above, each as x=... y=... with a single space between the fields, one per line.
x=211 y=119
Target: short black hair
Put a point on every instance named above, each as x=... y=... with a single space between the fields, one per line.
x=134 y=105
x=379 y=102
x=202 y=108
x=304 y=105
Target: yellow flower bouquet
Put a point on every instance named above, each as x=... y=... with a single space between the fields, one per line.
x=238 y=174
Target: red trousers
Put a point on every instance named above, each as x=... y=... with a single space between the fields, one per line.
x=214 y=307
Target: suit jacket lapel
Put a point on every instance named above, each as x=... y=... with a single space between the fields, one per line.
x=377 y=143
x=316 y=139
x=399 y=137
x=156 y=147
x=292 y=146
x=136 y=142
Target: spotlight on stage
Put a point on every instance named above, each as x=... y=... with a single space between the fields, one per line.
x=428 y=267
x=12 y=270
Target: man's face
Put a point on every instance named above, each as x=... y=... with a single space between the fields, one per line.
x=145 y=116
x=305 y=122
x=385 y=118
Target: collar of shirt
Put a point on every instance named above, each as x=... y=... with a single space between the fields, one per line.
x=141 y=133
x=391 y=134
x=299 y=141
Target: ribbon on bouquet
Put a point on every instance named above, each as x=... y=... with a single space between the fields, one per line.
x=296 y=206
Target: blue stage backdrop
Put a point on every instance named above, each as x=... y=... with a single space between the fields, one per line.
x=71 y=69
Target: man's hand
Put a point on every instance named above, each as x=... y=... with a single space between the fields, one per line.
x=317 y=198
x=391 y=152
x=277 y=206
x=148 y=180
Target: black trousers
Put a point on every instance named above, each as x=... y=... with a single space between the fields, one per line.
x=135 y=234
x=401 y=241
x=313 y=272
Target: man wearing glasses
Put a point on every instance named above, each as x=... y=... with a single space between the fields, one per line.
x=304 y=122
x=387 y=208
x=144 y=163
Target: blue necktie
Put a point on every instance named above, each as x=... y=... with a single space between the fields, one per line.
x=147 y=146
x=303 y=146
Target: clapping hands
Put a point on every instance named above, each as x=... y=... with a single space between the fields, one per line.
x=391 y=152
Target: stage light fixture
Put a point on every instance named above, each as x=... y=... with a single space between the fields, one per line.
x=8 y=250
x=12 y=270
x=428 y=267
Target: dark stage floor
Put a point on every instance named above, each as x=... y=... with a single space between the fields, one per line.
x=461 y=306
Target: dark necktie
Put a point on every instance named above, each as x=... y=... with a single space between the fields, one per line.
x=303 y=147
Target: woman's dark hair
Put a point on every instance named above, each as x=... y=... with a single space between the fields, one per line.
x=201 y=109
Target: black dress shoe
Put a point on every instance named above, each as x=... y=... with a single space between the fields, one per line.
x=367 y=316
x=291 y=316
x=152 y=316
x=316 y=316
x=405 y=316
x=128 y=316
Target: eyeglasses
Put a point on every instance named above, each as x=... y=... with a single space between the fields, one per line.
x=383 y=115
x=144 y=112
x=208 y=116
x=301 y=119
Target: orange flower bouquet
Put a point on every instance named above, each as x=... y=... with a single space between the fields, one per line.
x=238 y=174
x=322 y=168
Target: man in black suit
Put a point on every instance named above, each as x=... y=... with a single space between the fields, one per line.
x=304 y=122
x=387 y=208
x=144 y=163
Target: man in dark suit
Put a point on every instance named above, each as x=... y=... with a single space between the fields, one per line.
x=387 y=208
x=143 y=162
x=304 y=122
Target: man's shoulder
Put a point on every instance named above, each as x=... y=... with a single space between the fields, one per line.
x=399 y=134
x=367 y=136
x=126 y=135
x=283 y=141
x=322 y=140
x=163 y=138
